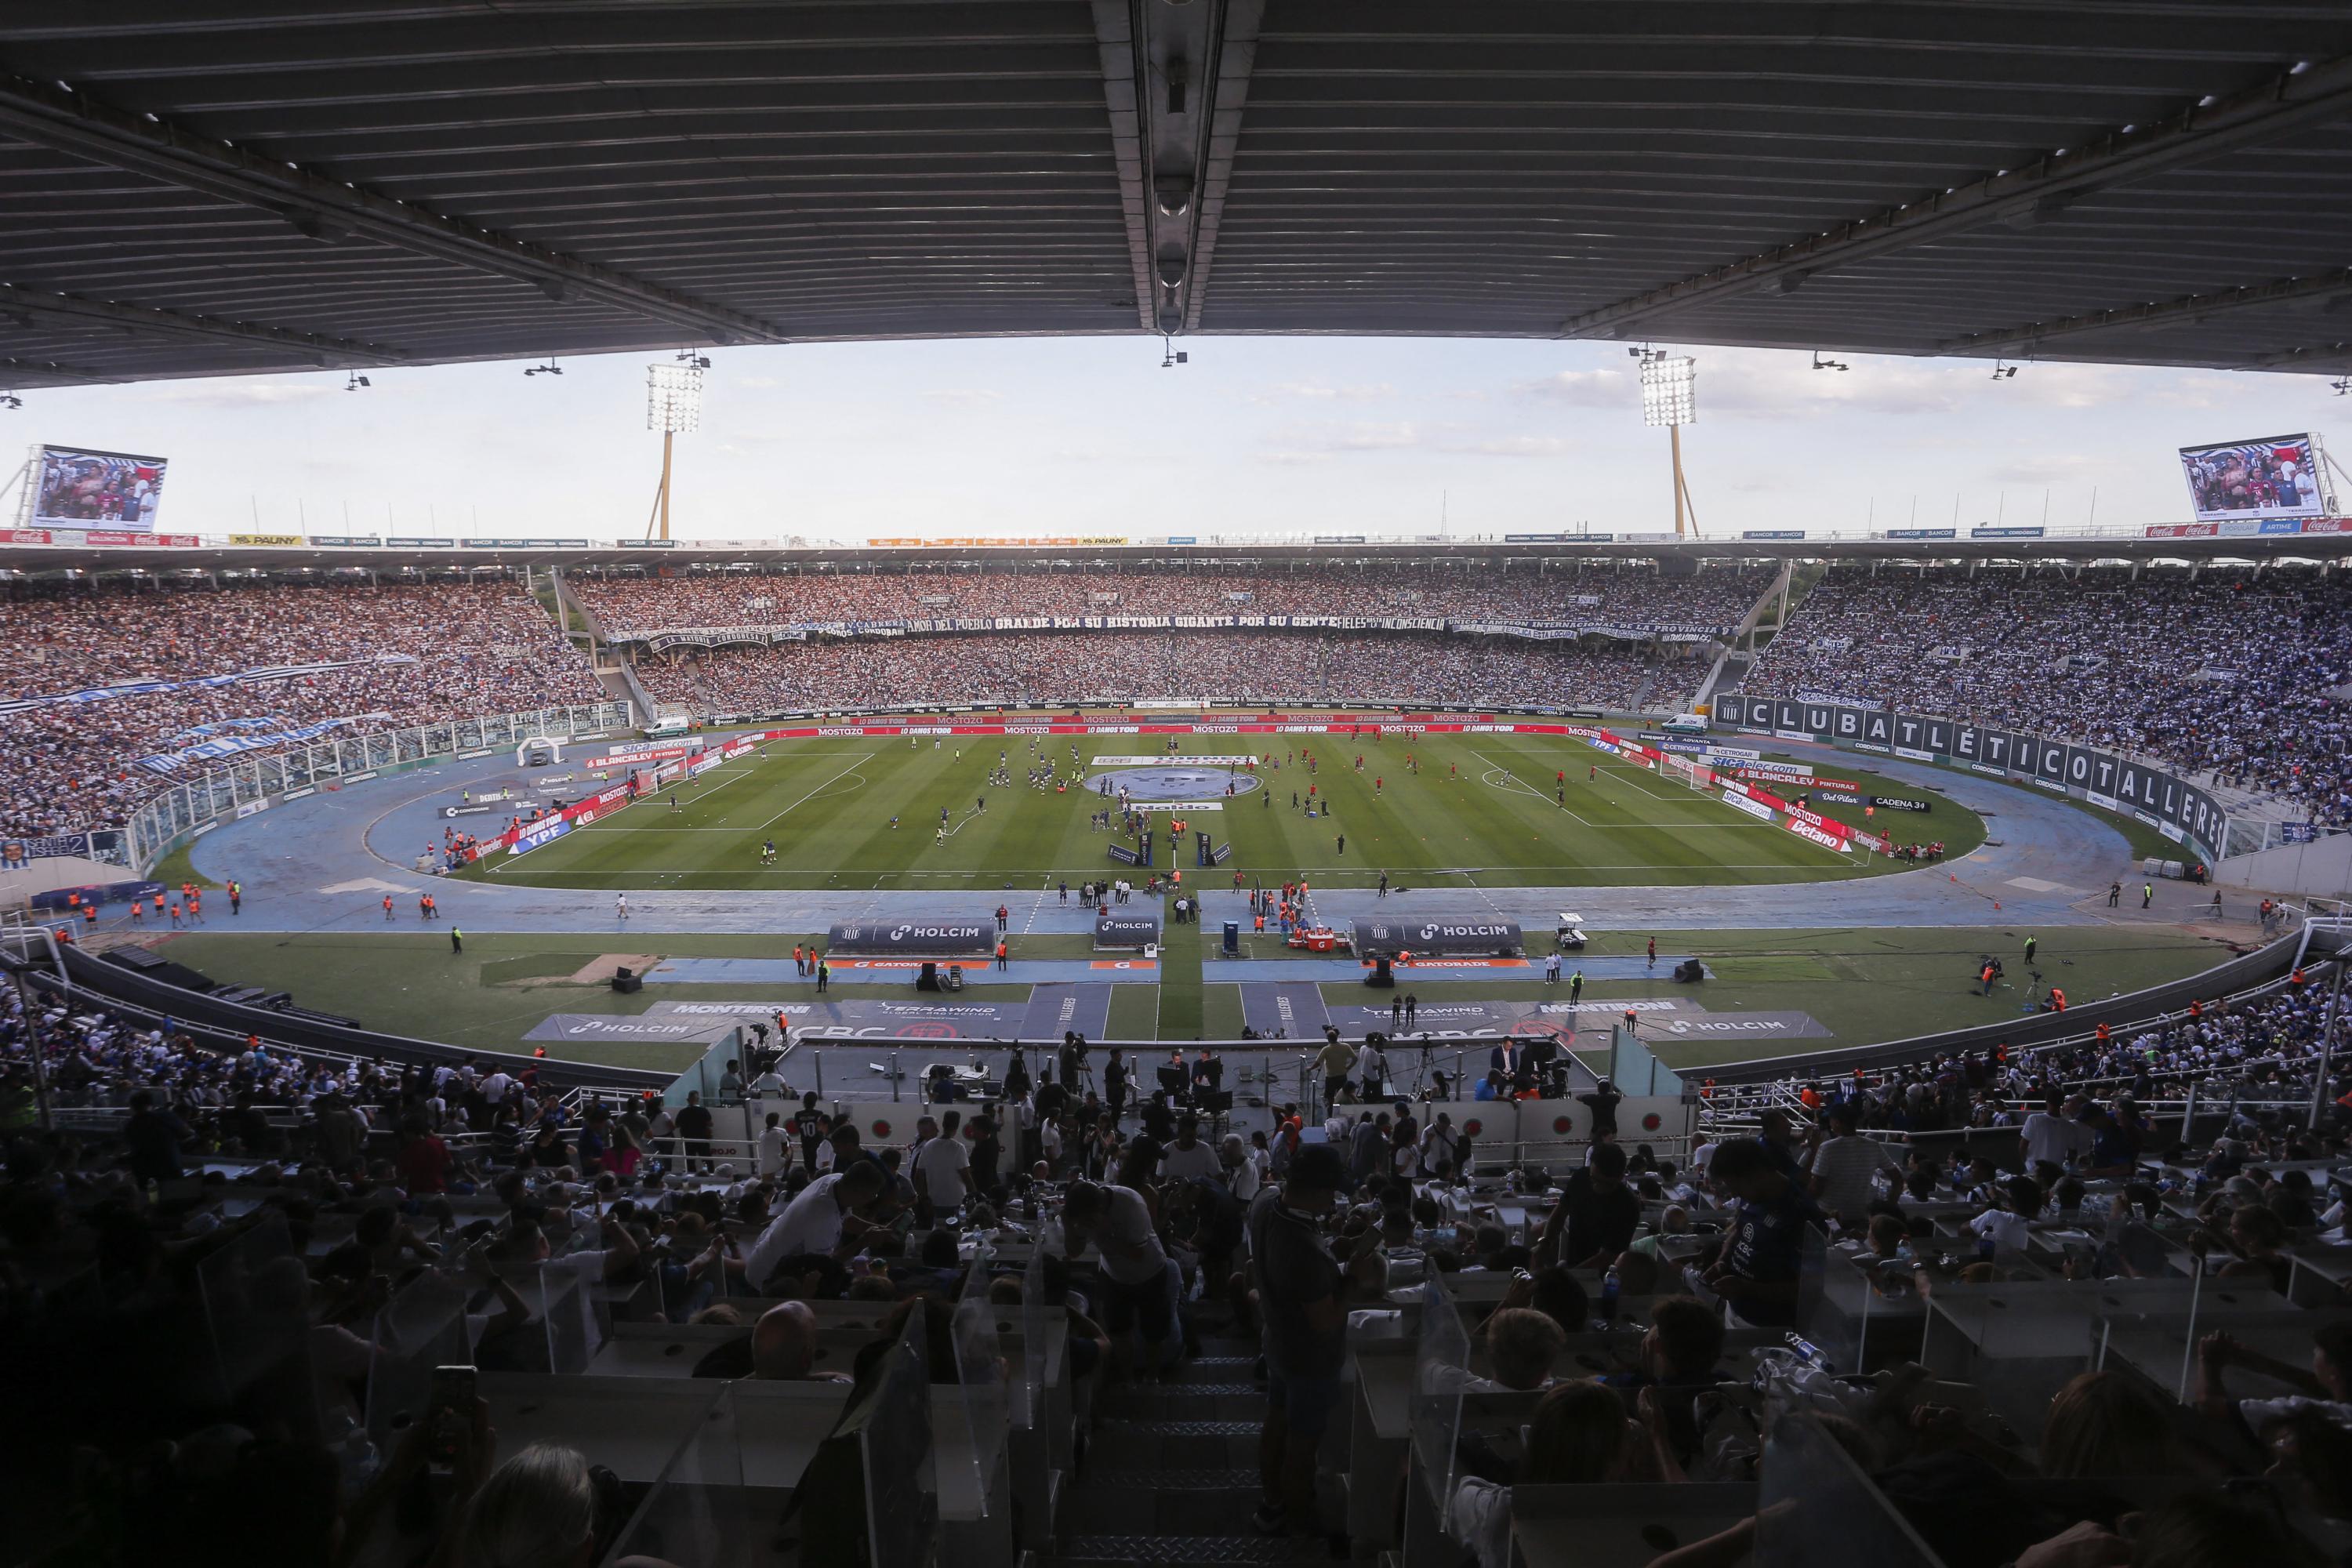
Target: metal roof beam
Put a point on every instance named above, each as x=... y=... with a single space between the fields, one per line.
x=21 y=373
x=1126 y=82
x=298 y=350
x=332 y=211
x=2324 y=290
x=1237 y=50
x=2023 y=196
x=2327 y=357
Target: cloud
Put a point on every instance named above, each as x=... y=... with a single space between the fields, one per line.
x=1509 y=447
x=964 y=396
x=1321 y=441
x=2054 y=468
x=229 y=391
x=1315 y=392
x=1585 y=389
x=1765 y=383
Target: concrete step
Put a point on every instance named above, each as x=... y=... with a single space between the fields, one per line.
x=1144 y=1444
x=1185 y=1402
x=1211 y=1550
x=1160 y=1502
x=1214 y=1369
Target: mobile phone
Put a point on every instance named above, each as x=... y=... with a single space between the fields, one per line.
x=449 y=1418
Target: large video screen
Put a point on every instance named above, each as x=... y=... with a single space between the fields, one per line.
x=76 y=488
x=2278 y=476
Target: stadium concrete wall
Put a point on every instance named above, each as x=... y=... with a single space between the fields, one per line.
x=2321 y=869
x=2238 y=974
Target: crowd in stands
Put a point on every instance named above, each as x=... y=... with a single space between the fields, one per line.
x=465 y=648
x=1222 y=666
x=2229 y=671
x=368 y=1189
x=1635 y=595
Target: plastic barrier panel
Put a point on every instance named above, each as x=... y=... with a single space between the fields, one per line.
x=902 y=1498
x=980 y=1369
x=1817 y=1510
x=1440 y=1368
x=422 y=1328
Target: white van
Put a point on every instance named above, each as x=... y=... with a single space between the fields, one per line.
x=1685 y=724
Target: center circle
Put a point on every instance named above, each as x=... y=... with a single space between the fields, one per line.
x=1176 y=782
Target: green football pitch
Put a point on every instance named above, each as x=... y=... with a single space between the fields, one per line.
x=1450 y=810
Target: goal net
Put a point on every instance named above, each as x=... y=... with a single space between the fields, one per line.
x=1682 y=770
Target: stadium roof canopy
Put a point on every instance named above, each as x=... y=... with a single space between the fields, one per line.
x=196 y=187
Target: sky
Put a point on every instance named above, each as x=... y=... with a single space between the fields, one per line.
x=1255 y=436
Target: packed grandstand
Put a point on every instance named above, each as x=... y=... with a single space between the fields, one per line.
x=123 y=687
x=337 y=1227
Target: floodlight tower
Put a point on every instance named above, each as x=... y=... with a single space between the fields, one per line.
x=1668 y=398
x=673 y=403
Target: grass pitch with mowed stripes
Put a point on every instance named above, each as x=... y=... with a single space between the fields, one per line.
x=1481 y=809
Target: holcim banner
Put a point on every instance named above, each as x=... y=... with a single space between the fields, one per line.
x=1422 y=939
x=948 y=938
x=2173 y=806
x=1126 y=933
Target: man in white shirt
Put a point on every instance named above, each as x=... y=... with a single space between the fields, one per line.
x=770 y=1082
x=1189 y=1157
x=1843 y=1165
x=942 y=1169
x=813 y=1224
x=2005 y=1228
x=1117 y=1223
x=772 y=1146
x=1242 y=1175
x=2051 y=1137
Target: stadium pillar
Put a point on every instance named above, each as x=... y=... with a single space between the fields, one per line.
x=668 y=437
x=1676 y=431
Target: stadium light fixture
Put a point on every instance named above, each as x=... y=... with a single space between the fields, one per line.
x=2003 y=370
x=1668 y=387
x=354 y=381
x=1821 y=364
x=673 y=405
x=673 y=397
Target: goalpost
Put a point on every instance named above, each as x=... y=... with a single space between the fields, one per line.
x=1672 y=765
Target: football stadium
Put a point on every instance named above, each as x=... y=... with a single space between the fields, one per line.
x=736 y=1037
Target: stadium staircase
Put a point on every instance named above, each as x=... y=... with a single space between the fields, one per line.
x=617 y=677
x=1731 y=667
x=1170 y=1473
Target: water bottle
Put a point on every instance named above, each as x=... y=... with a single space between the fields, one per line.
x=1806 y=1351
x=1610 y=1285
x=360 y=1462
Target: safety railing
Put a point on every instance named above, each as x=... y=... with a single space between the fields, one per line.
x=186 y=810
